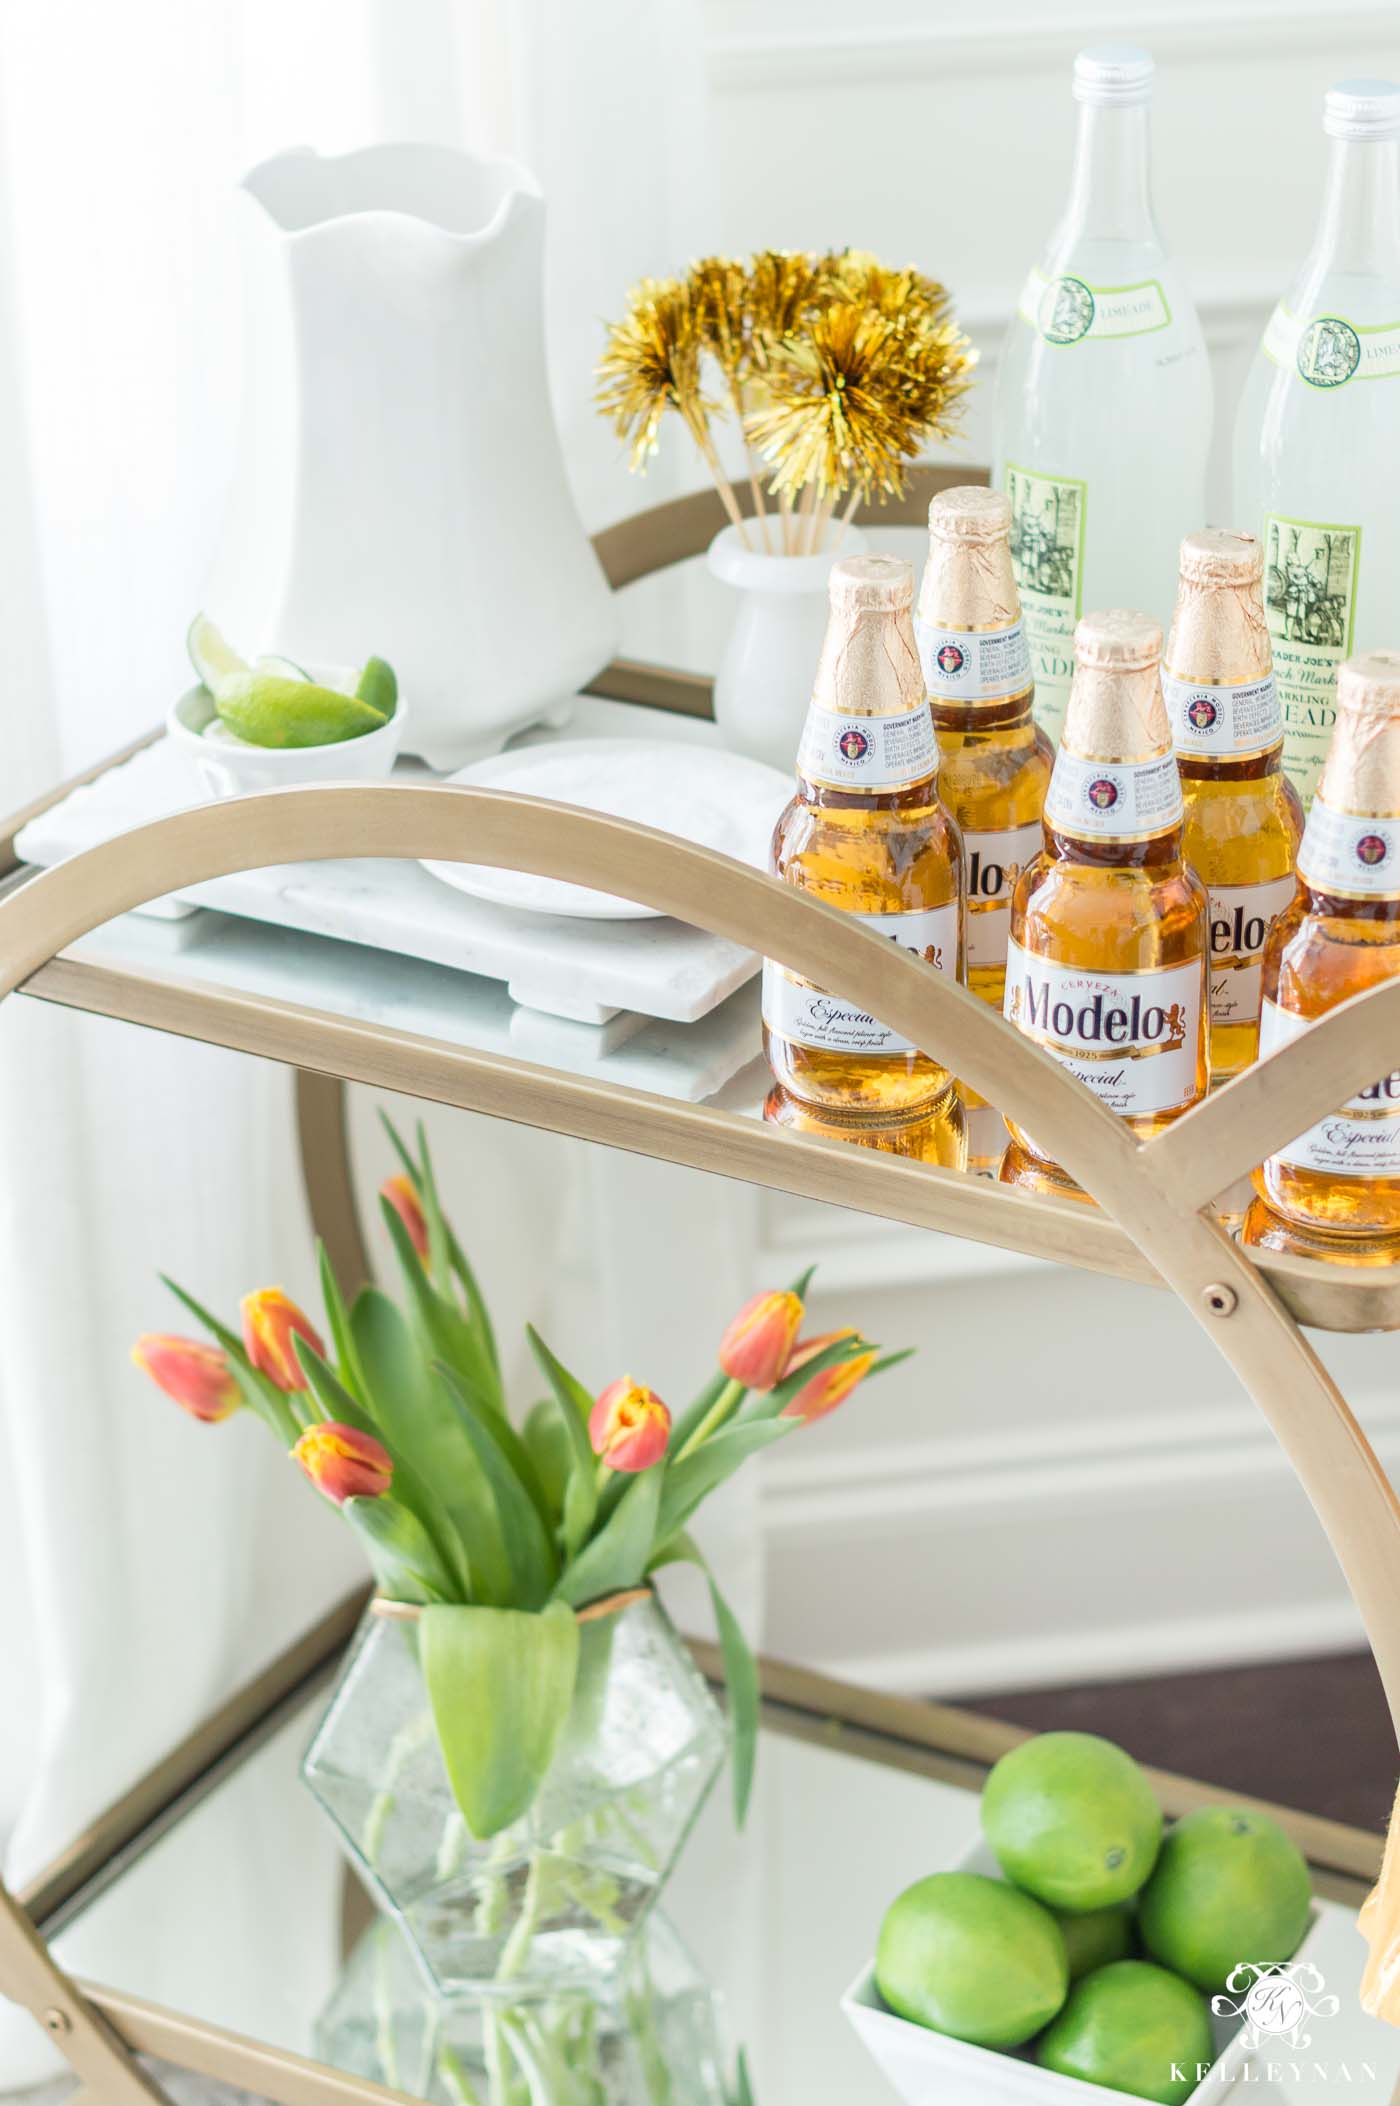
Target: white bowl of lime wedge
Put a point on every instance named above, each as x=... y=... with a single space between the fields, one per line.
x=272 y=724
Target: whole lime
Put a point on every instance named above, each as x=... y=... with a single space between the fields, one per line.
x=1097 y=1936
x=1072 y=1819
x=1229 y=1886
x=972 y=1957
x=1133 y=2027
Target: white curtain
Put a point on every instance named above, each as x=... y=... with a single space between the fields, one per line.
x=146 y=1564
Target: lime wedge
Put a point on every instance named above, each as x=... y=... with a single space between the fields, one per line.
x=282 y=666
x=265 y=709
x=378 y=687
x=213 y=659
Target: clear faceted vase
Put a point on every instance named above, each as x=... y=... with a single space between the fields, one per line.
x=553 y=1901
x=654 y=2040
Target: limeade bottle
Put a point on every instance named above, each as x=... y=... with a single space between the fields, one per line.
x=1318 y=432
x=1104 y=404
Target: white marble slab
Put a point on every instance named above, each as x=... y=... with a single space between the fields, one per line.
x=690 y=1062
x=590 y=972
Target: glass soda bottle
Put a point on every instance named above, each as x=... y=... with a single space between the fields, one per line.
x=1103 y=418
x=1318 y=430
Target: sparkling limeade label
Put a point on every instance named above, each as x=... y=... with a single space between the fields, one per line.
x=1360 y=1140
x=992 y=862
x=795 y=1010
x=1133 y=1038
x=1071 y=311
x=1310 y=574
x=867 y=753
x=1241 y=917
x=1329 y=351
x=1113 y=800
x=1345 y=853
x=973 y=665
x=1214 y=721
x=1047 y=556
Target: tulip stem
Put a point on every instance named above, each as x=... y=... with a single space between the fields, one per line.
x=724 y=1406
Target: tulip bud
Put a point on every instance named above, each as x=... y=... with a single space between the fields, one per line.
x=270 y=1322
x=757 y=1347
x=196 y=1375
x=402 y=1195
x=831 y=1384
x=629 y=1426
x=344 y=1463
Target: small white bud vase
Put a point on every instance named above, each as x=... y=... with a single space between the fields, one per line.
x=400 y=489
x=764 y=682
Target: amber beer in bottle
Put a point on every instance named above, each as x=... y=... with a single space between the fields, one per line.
x=994 y=764
x=1334 y=1192
x=866 y=832
x=1106 y=966
x=1243 y=817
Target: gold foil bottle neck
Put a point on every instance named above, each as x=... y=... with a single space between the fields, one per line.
x=968 y=582
x=1116 y=711
x=869 y=664
x=1219 y=633
x=1362 y=771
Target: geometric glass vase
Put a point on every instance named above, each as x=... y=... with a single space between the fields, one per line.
x=553 y=1901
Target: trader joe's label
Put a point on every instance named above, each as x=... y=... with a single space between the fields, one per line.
x=973 y=665
x=867 y=753
x=1068 y=310
x=1241 y=917
x=1360 y=1140
x=1133 y=1038
x=992 y=862
x=794 y=1009
x=1310 y=598
x=1047 y=555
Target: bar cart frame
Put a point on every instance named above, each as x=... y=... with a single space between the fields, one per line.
x=1154 y=1222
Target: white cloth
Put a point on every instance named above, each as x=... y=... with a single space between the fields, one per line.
x=146 y=1563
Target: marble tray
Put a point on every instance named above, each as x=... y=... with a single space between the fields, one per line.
x=612 y=975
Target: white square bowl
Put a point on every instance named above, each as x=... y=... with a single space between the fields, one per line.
x=932 y=2069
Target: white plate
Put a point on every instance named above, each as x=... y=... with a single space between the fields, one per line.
x=718 y=800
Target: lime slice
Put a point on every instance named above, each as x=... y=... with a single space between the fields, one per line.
x=378 y=687
x=265 y=709
x=213 y=659
x=282 y=666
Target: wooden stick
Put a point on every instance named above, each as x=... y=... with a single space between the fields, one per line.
x=846 y=517
x=722 y=483
x=785 y=514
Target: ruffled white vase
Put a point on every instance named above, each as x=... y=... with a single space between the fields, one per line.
x=400 y=487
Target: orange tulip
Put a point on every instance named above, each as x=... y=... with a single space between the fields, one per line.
x=629 y=1426
x=270 y=1323
x=344 y=1463
x=197 y=1376
x=402 y=1196
x=757 y=1347
x=830 y=1385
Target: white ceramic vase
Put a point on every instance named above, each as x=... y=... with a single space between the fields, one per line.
x=400 y=487
x=764 y=682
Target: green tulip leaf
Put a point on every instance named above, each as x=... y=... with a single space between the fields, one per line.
x=262 y=1397
x=619 y=1554
x=777 y=1400
x=500 y=1682
x=740 y=1672
x=443 y=1331
x=573 y=1405
x=691 y=1480
x=529 y=1553
x=406 y=1564
x=549 y=1452
x=338 y=1321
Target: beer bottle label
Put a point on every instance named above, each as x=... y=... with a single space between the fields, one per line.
x=1241 y=917
x=973 y=665
x=992 y=862
x=1113 y=800
x=868 y=753
x=1360 y=1140
x=794 y=1009
x=1344 y=853
x=1134 y=1039
x=1220 y=723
